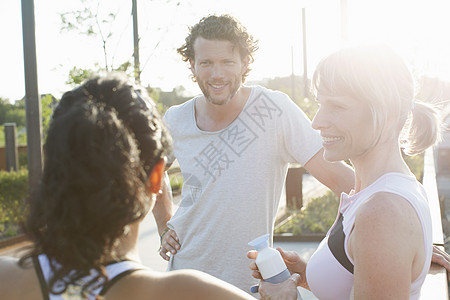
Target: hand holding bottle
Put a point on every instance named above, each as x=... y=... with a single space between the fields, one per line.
x=287 y=290
x=270 y=266
x=293 y=261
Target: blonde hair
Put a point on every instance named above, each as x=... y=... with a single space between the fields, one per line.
x=374 y=73
x=422 y=129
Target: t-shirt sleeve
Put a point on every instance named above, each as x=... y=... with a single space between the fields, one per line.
x=299 y=142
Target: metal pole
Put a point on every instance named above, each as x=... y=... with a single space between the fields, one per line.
x=305 y=61
x=32 y=99
x=137 y=70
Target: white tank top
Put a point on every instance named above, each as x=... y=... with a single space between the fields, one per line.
x=115 y=271
x=329 y=272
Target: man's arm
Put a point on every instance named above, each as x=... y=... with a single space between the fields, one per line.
x=162 y=211
x=337 y=176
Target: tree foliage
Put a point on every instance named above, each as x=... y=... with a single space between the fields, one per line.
x=94 y=21
x=89 y=21
x=15 y=113
x=12 y=113
x=48 y=105
x=78 y=75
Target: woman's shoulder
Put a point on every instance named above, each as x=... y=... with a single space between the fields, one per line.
x=388 y=216
x=385 y=205
x=181 y=284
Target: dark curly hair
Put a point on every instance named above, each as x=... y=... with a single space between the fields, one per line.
x=223 y=27
x=104 y=139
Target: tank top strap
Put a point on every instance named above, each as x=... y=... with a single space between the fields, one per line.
x=41 y=277
x=111 y=282
x=114 y=270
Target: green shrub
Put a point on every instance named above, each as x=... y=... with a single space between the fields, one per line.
x=317 y=217
x=23 y=158
x=13 y=191
x=415 y=164
x=176 y=182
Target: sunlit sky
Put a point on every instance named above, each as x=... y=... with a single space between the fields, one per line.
x=419 y=30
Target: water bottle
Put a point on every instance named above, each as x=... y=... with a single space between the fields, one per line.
x=270 y=263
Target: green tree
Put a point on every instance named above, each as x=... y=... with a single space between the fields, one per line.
x=15 y=113
x=91 y=20
x=48 y=104
x=4 y=105
x=78 y=75
x=12 y=113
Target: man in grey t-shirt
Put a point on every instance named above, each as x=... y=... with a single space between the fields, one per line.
x=233 y=145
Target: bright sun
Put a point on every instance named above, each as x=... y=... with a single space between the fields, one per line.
x=417 y=29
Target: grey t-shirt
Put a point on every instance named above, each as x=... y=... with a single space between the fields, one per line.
x=233 y=179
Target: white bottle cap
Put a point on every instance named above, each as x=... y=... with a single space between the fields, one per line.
x=260 y=242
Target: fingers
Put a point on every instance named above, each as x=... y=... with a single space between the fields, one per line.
x=442 y=258
x=256 y=273
x=255 y=270
x=169 y=243
x=252 y=254
x=253 y=266
x=290 y=256
x=296 y=278
x=438 y=250
x=163 y=254
x=172 y=239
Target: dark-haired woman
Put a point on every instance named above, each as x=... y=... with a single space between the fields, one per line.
x=104 y=162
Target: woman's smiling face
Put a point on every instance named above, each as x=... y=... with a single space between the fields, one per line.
x=346 y=126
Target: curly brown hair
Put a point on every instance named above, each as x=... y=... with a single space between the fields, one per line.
x=104 y=139
x=225 y=28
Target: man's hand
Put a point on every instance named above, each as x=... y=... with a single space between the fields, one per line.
x=282 y=291
x=442 y=258
x=169 y=243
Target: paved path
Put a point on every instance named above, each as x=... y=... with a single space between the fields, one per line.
x=149 y=244
x=149 y=237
